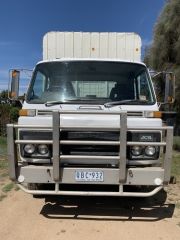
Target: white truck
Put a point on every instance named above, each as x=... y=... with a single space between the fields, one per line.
x=90 y=123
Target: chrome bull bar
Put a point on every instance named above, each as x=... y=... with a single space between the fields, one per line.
x=57 y=142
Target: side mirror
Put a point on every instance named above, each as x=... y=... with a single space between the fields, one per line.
x=14 y=84
x=170 y=87
x=164 y=85
x=18 y=82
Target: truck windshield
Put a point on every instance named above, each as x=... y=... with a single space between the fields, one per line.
x=93 y=82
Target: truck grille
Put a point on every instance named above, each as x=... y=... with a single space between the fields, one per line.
x=129 y=113
x=90 y=150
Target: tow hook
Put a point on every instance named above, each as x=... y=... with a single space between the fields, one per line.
x=131 y=173
x=49 y=172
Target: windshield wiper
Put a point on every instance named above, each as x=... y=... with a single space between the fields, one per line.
x=124 y=102
x=68 y=101
x=65 y=101
x=51 y=103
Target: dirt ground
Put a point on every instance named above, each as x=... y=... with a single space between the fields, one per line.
x=25 y=217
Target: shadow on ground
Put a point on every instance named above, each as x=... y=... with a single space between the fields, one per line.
x=108 y=208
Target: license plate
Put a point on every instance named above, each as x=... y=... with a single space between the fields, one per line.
x=89 y=176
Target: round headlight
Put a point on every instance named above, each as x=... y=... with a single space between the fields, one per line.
x=150 y=150
x=136 y=150
x=29 y=148
x=43 y=149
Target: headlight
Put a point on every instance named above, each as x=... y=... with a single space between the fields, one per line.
x=142 y=152
x=150 y=150
x=43 y=149
x=136 y=150
x=29 y=148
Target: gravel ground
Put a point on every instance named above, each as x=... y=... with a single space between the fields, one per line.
x=25 y=217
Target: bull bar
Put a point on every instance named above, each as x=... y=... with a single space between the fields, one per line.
x=119 y=176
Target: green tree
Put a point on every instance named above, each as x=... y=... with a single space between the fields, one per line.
x=165 y=50
x=164 y=53
x=4 y=94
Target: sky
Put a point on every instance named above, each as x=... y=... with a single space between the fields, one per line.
x=23 y=24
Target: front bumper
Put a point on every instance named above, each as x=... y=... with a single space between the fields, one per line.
x=149 y=176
